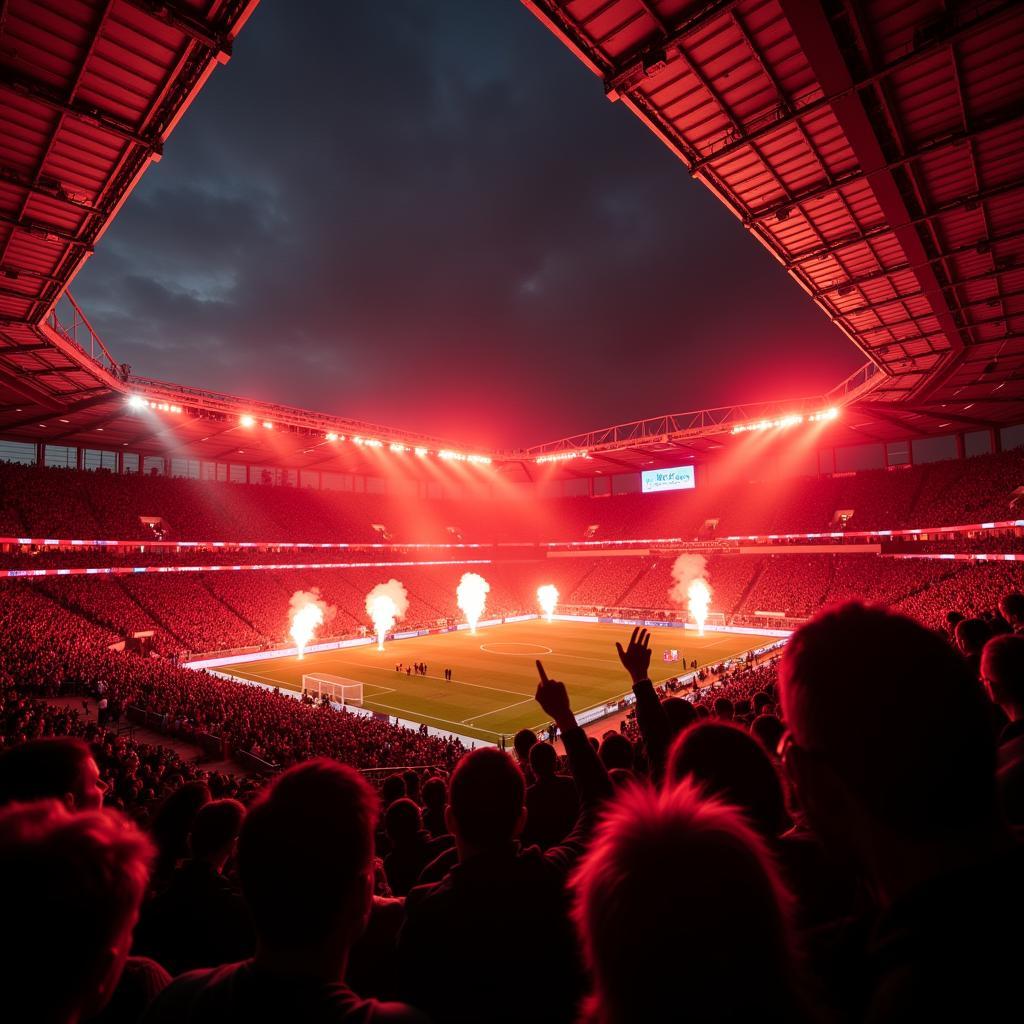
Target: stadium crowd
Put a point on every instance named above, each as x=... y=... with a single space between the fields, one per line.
x=740 y=834
x=40 y=502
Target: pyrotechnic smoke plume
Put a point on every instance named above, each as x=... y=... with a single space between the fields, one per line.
x=386 y=604
x=690 y=587
x=307 y=613
x=471 y=595
x=547 y=598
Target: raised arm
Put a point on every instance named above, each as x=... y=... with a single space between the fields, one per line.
x=650 y=715
x=589 y=774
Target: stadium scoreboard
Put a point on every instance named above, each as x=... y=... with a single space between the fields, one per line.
x=678 y=478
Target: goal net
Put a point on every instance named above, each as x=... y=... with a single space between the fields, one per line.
x=335 y=688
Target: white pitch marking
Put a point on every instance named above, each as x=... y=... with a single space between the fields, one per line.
x=508 y=707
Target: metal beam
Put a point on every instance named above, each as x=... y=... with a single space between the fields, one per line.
x=781 y=117
x=49 y=232
x=40 y=92
x=773 y=210
x=183 y=20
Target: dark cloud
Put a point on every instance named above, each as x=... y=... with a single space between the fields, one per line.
x=427 y=215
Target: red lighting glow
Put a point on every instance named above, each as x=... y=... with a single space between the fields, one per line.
x=785 y=421
x=246 y=420
x=562 y=456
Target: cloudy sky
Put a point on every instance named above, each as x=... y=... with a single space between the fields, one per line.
x=425 y=213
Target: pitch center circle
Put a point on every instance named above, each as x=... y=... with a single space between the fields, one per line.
x=519 y=652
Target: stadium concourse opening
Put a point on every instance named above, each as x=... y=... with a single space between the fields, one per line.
x=259 y=662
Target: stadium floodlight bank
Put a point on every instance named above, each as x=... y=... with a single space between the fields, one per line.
x=334 y=688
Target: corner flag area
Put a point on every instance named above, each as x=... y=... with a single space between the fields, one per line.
x=490 y=694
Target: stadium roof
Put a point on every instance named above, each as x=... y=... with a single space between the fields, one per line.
x=875 y=149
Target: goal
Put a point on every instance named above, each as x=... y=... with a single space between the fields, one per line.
x=716 y=619
x=335 y=688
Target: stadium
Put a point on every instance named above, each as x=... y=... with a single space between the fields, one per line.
x=215 y=600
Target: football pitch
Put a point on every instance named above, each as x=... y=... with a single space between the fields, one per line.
x=494 y=677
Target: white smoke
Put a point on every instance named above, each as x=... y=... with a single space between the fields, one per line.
x=307 y=611
x=686 y=568
x=385 y=605
x=471 y=595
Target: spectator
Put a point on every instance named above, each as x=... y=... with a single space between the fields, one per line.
x=1011 y=607
x=435 y=798
x=552 y=805
x=1002 y=671
x=971 y=637
x=412 y=847
x=522 y=743
x=500 y=913
x=669 y=944
x=305 y=928
x=172 y=825
x=900 y=780
x=56 y=768
x=71 y=889
x=199 y=920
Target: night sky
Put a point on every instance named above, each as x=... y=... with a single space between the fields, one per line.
x=425 y=213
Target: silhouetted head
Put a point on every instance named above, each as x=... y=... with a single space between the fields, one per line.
x=680 y=714
x=215 y=830
x=724 y=709
x=1002 y=671
x=768 y=731
x=317 y=815
x=402 y=821
x=70 y=886
x=972 y=635
x=722 y=900
x=521 y=744
x=1011 y=607
x=392 y=789
x=173 y=823
x=486 y=801
x=543 y=760
x=616 y=751
x=435 y=793
x=889 y=736
x=56 y=768
x=727 y=763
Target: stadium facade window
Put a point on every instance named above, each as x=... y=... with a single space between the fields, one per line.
x=576 y=488
x=855 y=457
x=1012 y=437
x=626 y=483
x=209 y=471
x=826 y=461
x=59 y=455
x=602 y=486
x=23 y=452
x=153 y=465
x=898 y=453
x=977 y=442
x=93 y=459
x=238 y=474
x=188 y=468
x=222 y=471
x=934 y=449
x=333 y=482
x=309 y=478
x=375 y=485
x=130 y=462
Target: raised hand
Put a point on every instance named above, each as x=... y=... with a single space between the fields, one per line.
x=553 y=698
x=636 y=658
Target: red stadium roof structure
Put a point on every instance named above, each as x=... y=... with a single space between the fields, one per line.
x=875 y=149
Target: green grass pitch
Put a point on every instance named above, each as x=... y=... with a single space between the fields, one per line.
x=491 y=694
